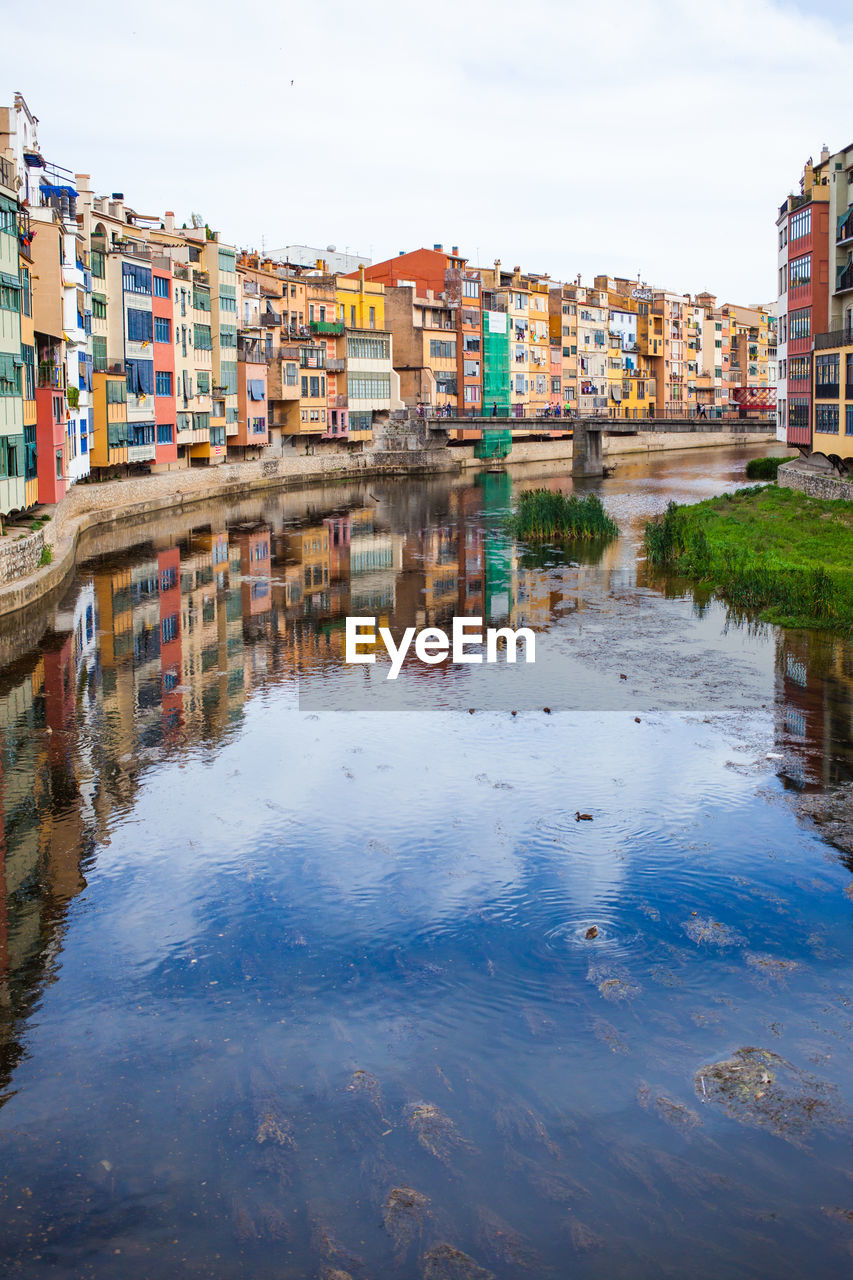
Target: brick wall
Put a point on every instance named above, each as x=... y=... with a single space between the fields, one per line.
x=19 y=555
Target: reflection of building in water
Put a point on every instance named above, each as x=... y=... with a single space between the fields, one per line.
x=814 y=707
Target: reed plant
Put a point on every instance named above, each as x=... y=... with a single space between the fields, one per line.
x=545 y=516
x=764 y=468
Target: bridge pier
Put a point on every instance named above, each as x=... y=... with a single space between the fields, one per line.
x=587 y=451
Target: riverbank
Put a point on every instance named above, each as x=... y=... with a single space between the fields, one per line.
x=25 y=580
x=776 y=552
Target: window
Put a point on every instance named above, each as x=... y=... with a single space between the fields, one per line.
x=783 y=236
x=139 y=325
x=228 y=297
x=135 y=278
x=826 y=375
x=217 y=435
x=377 y=386
x=848 y=420
x=800 y=271
x=315 y=388
x=228 y=335
x=798 y=412
x=162 y=327
x=98 y=260
x=368 y=348
x=227 y=260
x=201 y=298
x=441 y=350
x=471 y=368
x=29 y=357
x=8 y=298
x=202 y=381
x=800 y=224
x=99 y=306
x=58 y=464
x=290 y=374
x=826 y=419
x=169 y=628
x=373 y=317
x=259 y=426
x=783 y=279
x=143 y=432
x=164 y=434
x=10 y=381
x=228 y=376
x=26 y=295
x=201 y=337
x=116 y=391
x=163 y=383
x=800 y=323
x=470 y=288
x=161 y=287
x=472 y=395
x=140 y=377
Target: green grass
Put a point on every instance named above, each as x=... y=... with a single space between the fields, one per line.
x=765 y=468
x=774 y=553
x=46 y=556
x=545 y=516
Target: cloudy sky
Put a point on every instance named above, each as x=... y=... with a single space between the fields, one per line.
x=634 y=136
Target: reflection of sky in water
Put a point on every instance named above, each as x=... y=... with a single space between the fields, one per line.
x=284 y=899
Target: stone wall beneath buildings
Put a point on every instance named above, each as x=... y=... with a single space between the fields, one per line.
x=814 y=484
x=19 y=555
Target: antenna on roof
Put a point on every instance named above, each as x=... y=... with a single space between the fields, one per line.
x=197 y=221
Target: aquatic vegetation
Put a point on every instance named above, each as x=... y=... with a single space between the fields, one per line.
x=584 y=1239
x=674 y=1113
x=613 y=981
x=703 y=930
x=774 y=552
x=364 y=1083
x=521 y=1123
x=273 y=1126
x=435 y=1131
x=765 y=468
x=545 y=516
x=770 y=966
x=443 y=1262
x=404 y=1216
x=607 y=1034
x=501 y=1242
x=329 y=1247
x=760 y=1089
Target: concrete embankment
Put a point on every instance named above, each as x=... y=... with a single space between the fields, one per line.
x=88 y=506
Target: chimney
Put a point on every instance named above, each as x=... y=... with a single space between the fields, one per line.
x=438 y=248
x=455 y=251
x=824 y=154
x=169 y=220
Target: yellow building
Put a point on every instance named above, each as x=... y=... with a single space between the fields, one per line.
x=361 y=303
x=833 y=394
x=109 y=438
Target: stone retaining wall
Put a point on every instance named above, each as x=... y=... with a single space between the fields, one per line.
x=814 y=484
x=19 y=555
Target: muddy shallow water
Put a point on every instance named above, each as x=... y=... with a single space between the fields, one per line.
x=294 y=969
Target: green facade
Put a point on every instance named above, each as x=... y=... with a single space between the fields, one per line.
x=496 y=374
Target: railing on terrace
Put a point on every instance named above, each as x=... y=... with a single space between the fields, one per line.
x=50 y=375
x=844 y=279
x=332 y=327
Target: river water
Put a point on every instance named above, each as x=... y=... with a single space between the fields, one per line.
x=294 y=970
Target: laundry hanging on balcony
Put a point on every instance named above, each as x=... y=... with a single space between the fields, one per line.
x=255 y=387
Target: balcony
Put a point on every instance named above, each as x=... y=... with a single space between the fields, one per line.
x=835 y=338
x=270 y=320
x=141 y=452
x=331 y=327
x=844 y=279
x=336 y=366
x=845 y=231
x=50 y=375
x=827 y=391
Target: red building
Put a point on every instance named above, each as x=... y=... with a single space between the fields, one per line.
x=447 y=273
x=50 y=444
x=165 y=416
x=804 y=295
